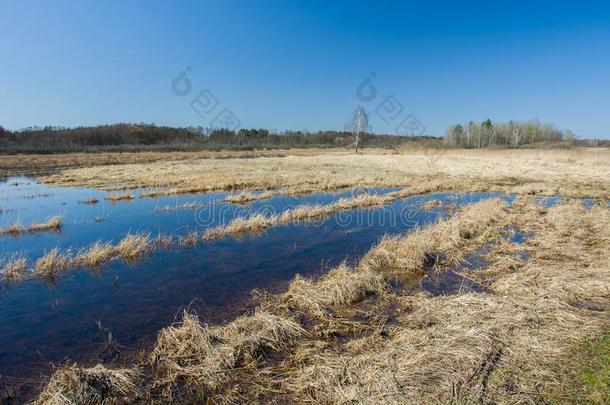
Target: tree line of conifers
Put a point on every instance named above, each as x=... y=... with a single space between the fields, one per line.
x=153 y=137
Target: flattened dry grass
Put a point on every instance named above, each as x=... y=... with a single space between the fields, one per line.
x=16 y=228
x=119 y=197
x=245 y=197
x=466 y=348
x=96 y=385
x=551 y=172
x=190 y=353
x=428 y=205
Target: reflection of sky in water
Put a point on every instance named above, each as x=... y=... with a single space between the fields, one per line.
x=40 y=322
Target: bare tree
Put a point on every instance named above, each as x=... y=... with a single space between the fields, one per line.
x=358 y=125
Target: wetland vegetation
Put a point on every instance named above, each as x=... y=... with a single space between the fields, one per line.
x=439 y=281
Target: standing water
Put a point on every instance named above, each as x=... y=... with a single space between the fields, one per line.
x=44 y=322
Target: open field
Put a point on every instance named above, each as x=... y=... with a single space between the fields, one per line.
x=579 y=172
x=483 y=295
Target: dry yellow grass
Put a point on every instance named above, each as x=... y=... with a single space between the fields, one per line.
x=576 y=172
x=134 y=245
x=16 y=228
x=340 y=286
x=193 y=354
x=96 y=385
x=13 y=267
x=246 y=197
x=428 y=205
x=95 y=255
x=130 y=248
x=444 y=242
x=53 y=262
x=119 y=197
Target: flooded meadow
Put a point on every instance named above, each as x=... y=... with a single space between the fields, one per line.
x=66 y=318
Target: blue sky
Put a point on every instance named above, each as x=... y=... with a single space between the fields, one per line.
x=298 y=64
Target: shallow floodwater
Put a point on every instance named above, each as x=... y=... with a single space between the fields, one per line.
x=43 y=322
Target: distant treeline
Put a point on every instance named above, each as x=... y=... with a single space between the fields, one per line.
x=511 y=134
x=151 y=137
x=138 y=137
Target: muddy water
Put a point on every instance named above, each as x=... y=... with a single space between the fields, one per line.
x=43 y=322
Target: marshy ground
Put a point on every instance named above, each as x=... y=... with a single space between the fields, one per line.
x=307 y=276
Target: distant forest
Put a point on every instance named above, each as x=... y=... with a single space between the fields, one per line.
x=128 y=137
x=136 y=137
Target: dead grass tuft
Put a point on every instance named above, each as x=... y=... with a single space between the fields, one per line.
x=119 y=197
x=253 y=224
x=53 y=262
x=134 y=246
x=340 y=286
x=96 y=385
x=95 y=255
x=13 y=267
x=16 y=228
x=245 y=197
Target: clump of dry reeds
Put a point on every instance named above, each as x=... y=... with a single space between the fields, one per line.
x=134 y=245
x=13 y=267
x=16 y=228
x=53 y=262
x=95 y=255
x=130 y=248
x=119 y=197
x=149 y=194
x=253 y=224
x=340 y=286
x=96 y=385
x=245 y=197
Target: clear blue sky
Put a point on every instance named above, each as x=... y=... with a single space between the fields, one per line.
x=297 y=64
